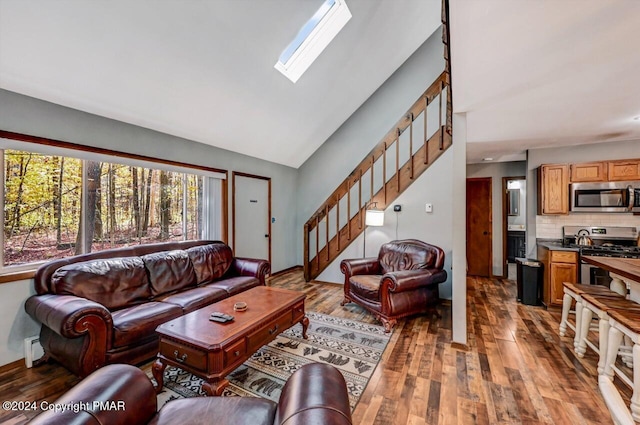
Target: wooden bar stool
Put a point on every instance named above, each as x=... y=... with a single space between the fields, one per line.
x=622 y=323
x=600 y=305
x=574 y=292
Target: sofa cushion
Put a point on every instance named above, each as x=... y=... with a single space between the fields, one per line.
x=366 y=286
x=192 y=299
x=115 y=283
x=169 y=271
x=134 y=324
x=218 y=410
x=235 y=285
x=210 y=262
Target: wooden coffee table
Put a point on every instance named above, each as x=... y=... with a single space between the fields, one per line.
x=211 y=350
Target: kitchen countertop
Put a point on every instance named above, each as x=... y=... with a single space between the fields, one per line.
x=626 y=267
x=555 y=245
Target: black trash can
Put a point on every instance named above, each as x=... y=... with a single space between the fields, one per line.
x=529 y=281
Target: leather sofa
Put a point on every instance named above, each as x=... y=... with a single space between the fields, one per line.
x=122 y=394
x=103 y=307
x=402 y=281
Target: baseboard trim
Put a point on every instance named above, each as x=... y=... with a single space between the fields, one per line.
x=290 y=269
x=458 y=346
x=17 y=364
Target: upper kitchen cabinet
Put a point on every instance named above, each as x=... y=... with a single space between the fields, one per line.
x=553 y=189
x=588 y=172
x=624 y=170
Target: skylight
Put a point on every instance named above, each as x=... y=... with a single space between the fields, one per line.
x=313 y=38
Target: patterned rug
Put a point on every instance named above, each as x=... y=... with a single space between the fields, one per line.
x=355 y=348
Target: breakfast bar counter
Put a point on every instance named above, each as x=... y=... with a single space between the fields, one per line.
x=625 y=274
x=623 y=271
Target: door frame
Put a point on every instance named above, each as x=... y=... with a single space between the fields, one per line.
x=505 y=264
x=233 y=205
x=490 y=180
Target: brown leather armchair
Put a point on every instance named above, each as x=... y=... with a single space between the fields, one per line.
x=402 y=281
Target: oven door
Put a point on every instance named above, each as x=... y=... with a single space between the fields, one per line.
x=593 y=275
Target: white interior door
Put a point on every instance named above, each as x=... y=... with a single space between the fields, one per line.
x=251 y=223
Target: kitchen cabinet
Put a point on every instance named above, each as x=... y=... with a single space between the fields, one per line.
x=559 y=267
x=588 y=172
x=624 y=170
x=553 y=189
x=515 y=246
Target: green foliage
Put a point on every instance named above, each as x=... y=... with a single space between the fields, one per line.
x=43 y=206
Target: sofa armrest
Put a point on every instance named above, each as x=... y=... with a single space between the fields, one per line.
x=252 y=267
x=408 y=280
x=113 y=394
x=315 y=394
x=360 y=266
x=87 y=325
x=68 y=315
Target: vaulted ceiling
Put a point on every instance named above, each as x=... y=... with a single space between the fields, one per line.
x=526 y=73
x=203 y=70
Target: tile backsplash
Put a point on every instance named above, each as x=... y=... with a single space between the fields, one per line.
x=550 y=226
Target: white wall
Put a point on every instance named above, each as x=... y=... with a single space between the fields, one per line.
x=459 y=230
x=15 y=324
x=22 y=114
x=295 y=193
x=343 y=151
x=552 y=225
x=434 y=186
x=496 y=171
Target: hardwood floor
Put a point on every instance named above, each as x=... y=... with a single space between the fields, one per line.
x=515 y=368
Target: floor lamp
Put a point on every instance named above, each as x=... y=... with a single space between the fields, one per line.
x=374 y=218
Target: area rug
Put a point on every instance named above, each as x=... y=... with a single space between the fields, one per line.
x=355 y=348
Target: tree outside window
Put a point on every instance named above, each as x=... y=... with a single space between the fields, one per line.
x=45 y=218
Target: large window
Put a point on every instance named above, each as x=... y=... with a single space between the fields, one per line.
x=57 y=205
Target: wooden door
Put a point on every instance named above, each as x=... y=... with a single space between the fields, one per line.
x=479 y=235
x=251 y=216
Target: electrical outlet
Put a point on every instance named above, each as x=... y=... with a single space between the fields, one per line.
x=397 y=208
x=428 y=208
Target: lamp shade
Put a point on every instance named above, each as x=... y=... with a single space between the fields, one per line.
x=374 y=218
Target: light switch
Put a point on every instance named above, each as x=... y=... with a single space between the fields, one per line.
x=428 y=208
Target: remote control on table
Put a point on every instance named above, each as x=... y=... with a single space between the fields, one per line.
x=220 y=317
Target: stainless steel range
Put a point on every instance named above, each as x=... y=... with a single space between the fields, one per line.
x=604 y=241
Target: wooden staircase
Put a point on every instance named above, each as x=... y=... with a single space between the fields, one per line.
x=403 y=154
x=340 y=219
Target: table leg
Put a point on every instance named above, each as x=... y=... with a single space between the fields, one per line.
x=587 y=315
x=158 y=373
x=576 y=338
x=617 y=284
x=566 y=306
x=635 y=398
x=214 y=388
x=603 y=335
x=615 y=339
x=305 y=325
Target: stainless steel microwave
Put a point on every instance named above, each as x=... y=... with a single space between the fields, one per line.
x=606 y=197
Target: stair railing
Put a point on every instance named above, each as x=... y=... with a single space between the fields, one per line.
x=401 y=156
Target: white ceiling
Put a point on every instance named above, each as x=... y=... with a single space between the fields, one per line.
x=545 y=73
x=526 y=73
x=203 y=70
